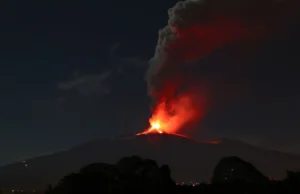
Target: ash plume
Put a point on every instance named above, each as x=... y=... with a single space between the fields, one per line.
x=196 y=29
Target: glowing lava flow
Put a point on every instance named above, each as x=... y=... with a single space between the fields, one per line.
x=168 y=119
x=171 y=117
x=164 y=121
x=155 y=128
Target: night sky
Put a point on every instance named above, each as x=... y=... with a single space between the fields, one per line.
x=74 y=71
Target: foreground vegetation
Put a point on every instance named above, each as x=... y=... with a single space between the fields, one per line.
x=135 y=175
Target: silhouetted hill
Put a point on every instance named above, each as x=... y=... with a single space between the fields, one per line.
x=188 y=160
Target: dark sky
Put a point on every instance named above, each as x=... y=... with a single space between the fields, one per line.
x=74 y=71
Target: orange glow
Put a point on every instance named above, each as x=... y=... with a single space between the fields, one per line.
x=170 y=118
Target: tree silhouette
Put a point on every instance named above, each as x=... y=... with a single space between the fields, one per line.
x=293 y=177
x=49 y=189
x=129 y=175
x=134 y=175
x=234 y=169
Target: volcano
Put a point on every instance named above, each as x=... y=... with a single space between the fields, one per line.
x=189 y=159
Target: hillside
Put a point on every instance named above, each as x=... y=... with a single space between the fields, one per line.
x=188 y=160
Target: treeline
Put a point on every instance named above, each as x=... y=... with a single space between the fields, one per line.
x=134 y=175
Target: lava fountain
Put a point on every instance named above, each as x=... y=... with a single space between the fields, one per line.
x=156 y=128
x=170 y=118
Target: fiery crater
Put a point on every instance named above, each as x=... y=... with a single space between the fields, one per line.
x=155 y=127
x=161 y=126
x=172 y=117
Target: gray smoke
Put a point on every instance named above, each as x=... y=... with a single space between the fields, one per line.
x=196 y=28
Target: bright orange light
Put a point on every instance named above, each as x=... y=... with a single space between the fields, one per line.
x=169 y=120
x=156 y=126
x=172 y=117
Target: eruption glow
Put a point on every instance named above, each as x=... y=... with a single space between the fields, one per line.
x=170 y=117
x=164 y=122
x=195 y=30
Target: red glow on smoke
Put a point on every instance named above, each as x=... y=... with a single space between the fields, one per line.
x=175 y=83
x=170 y=117
x=181 y=98
x=200 y=40
x=189 y=47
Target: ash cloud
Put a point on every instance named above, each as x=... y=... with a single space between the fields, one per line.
x=101 y=83
x=197 y=28
x=88 y=84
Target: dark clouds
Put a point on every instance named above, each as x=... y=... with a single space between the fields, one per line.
x=100 y=84
x=243 y=51
x=88 y=84
x=196 y=28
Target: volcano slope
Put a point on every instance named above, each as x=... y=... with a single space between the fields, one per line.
x=189 y=160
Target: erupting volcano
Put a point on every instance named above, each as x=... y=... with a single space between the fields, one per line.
x=154 y=128
x=181 y=80
x=170 y=117
x=166 y=120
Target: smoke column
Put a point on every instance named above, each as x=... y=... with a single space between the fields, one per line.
x=197 y=28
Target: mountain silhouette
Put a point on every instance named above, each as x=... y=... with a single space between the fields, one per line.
x=188 y=160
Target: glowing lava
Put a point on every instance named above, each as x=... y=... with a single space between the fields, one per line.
x=170 y=119
x=155 y=128
x=161 y=121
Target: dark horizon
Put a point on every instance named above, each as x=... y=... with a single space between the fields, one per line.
x=150 y=138
x=188 y=160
